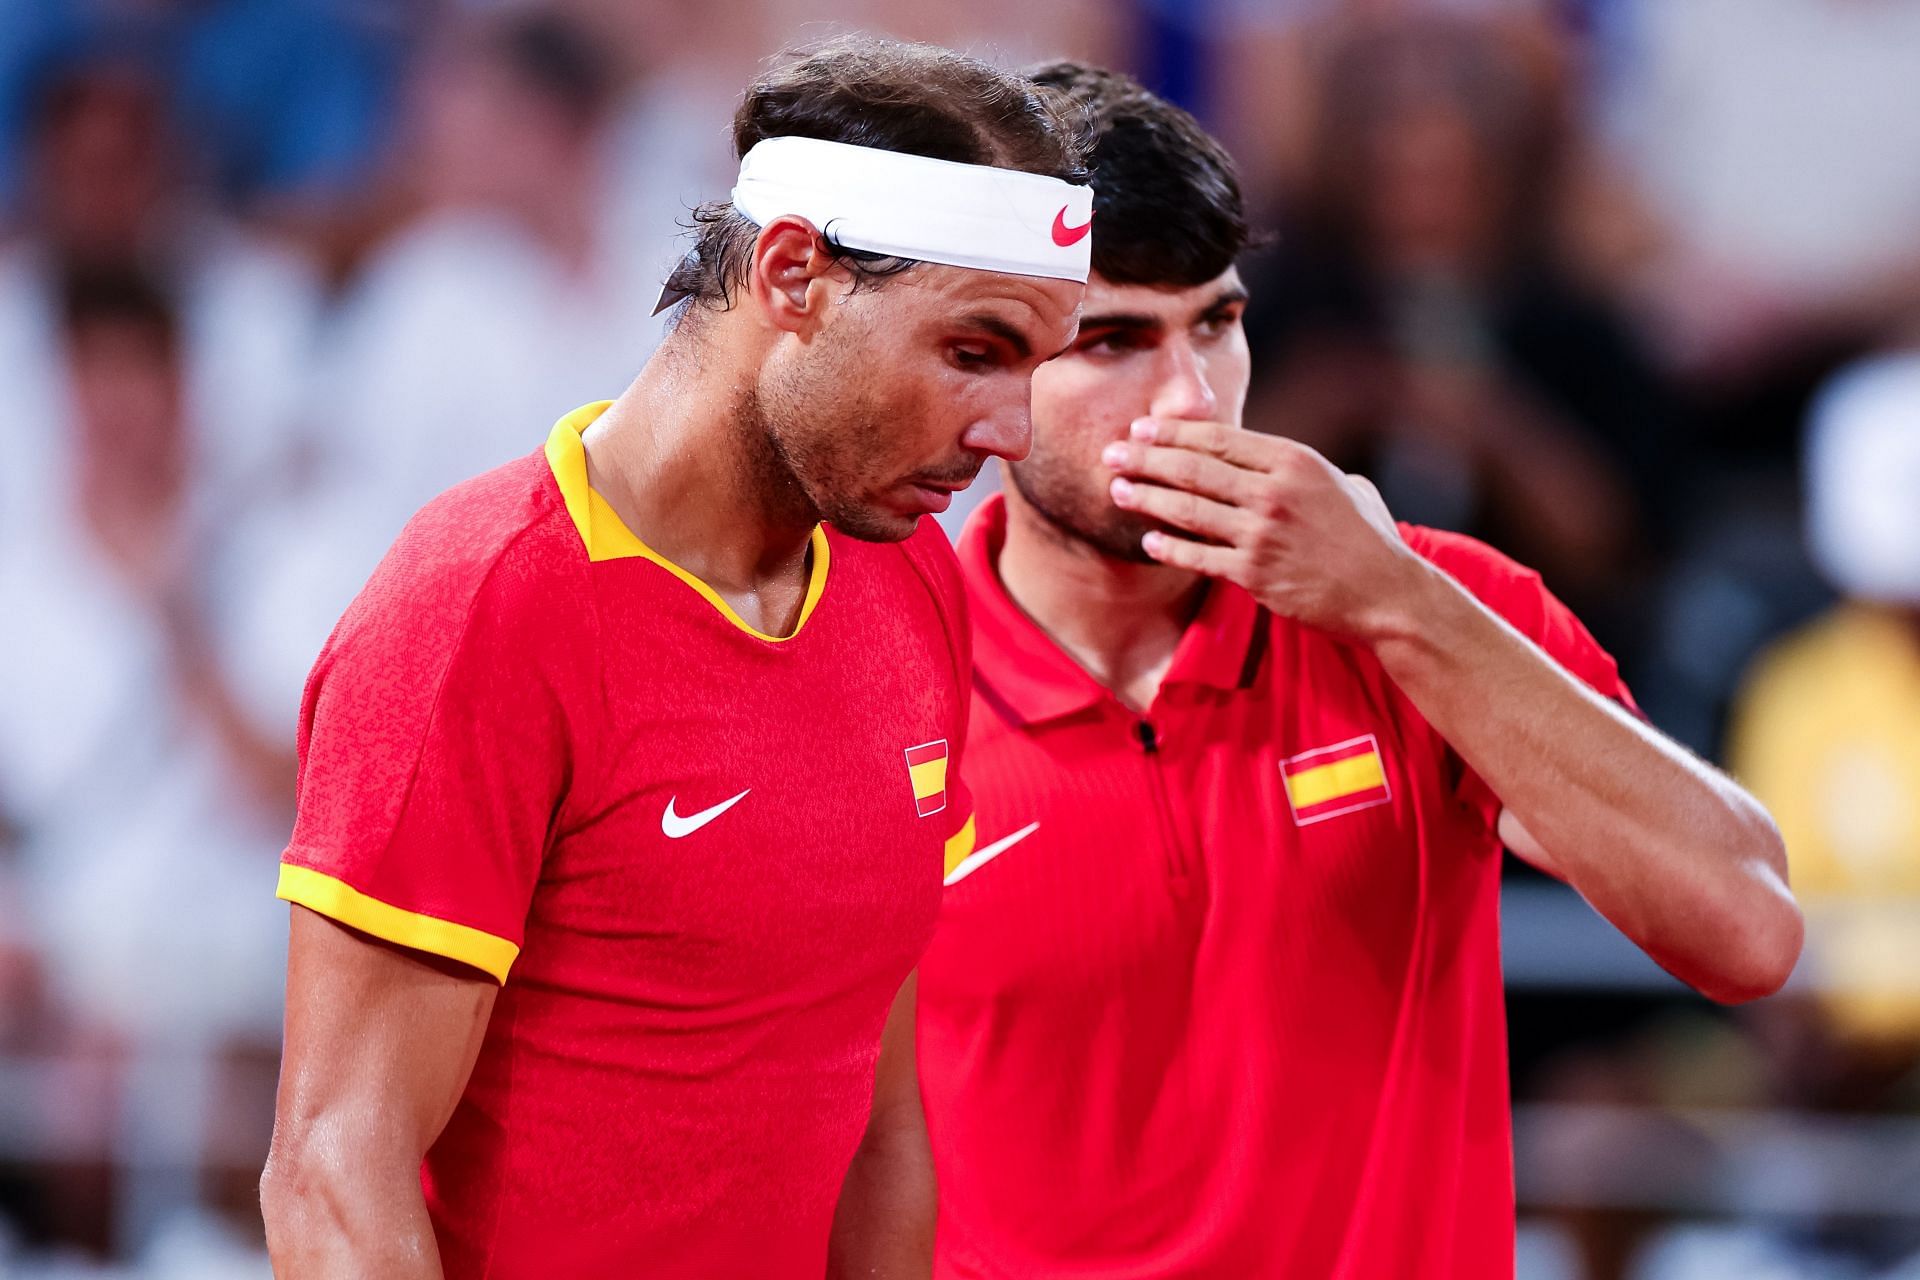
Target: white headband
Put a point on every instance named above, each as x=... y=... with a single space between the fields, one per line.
x=906 y=206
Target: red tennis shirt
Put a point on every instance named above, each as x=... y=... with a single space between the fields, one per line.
x=1219 y=994
x=699 y=859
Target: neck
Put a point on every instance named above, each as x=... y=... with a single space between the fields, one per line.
x=1119 y=620
x=679 y=464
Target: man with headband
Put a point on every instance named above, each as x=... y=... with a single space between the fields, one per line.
x=626 y=782
x=1218 y=995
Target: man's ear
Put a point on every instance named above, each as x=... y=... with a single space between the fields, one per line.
x=788 y=274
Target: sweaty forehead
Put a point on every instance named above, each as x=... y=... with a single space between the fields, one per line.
x=1022 y=299
x=982 y=286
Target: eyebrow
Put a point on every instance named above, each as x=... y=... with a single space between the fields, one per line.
x=1228 y=297
x=999 y=328
x=1002 y=330
x=1134 y=321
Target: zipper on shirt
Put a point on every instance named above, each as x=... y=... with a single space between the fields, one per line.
x=1175 y=847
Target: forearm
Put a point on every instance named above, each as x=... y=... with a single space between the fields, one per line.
x=1674 y=853
x=883 y=1227
x=329 y=1217
x=1681 y=859
x=325 y=1222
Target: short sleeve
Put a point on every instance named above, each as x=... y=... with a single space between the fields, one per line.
x=1519 y=596
x=439 y=736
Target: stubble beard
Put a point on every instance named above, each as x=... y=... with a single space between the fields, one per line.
x=804 y=460
x=1098 y=525
x=771 y=472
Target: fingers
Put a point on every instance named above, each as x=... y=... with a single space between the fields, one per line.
x=1183 y=510
x=1197 y=557
x=1237 y=448
x=1200 y=473
x=1232 y=445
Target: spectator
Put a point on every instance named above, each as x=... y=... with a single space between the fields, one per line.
x=681 y=67
x=1263 y=52
x=145 y=793
x=1780 y=144
x=1418 y=325
x=105 y=191
x=286 y=101
x=1827 y=730
x=509 y=296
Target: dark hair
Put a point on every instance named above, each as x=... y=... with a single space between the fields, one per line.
x=1167 y=208
x=1376 y=77
x=118 y=295
x=66 y=87
x=555 y=59
x=914 y=98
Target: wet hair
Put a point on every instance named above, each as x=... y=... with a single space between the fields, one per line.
x=913 y=98
x=1167 y=207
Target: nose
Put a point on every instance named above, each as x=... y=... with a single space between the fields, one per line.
x=1183 y=390
x=1006 y=433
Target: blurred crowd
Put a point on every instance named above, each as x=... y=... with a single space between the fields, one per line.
x=1630 y=288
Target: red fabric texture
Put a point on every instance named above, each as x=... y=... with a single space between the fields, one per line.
x=1179 y=1031
x=681 y=1061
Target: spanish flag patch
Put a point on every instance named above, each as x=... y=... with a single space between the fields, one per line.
x=927 y=770
x=1329 y=781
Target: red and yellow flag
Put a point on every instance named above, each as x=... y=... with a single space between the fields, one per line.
x=1329 y=781
x=927 y=769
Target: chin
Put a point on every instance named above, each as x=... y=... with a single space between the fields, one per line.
x=874 y=524
x=1116 y=539
x=1125 y=551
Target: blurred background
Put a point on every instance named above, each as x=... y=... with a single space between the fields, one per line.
x=1630 y=288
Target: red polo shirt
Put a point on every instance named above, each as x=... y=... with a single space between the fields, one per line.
x=1219 y=994
x=699 y=859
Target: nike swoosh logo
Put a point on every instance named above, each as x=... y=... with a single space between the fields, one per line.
x=1065 y=236
x=673 y=826
x=980 y=857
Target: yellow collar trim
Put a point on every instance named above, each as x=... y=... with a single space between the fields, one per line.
x=607 y=537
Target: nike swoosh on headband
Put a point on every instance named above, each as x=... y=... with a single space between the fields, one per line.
x=1065 y=236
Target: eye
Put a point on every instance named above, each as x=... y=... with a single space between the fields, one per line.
x=972 y=359
x=1112 y=342
x=1219 y=322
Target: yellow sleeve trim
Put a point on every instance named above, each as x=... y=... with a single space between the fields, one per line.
x=340 y=901
x=960 y=845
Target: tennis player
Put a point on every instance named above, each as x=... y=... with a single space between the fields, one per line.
x=1219 y=993
x=626 y=782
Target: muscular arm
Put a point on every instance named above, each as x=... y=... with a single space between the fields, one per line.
x=1686 y=863
x=883 y=1228
x=379 y=1043
x=1673 y=852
